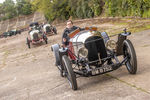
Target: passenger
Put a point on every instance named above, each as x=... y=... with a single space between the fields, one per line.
x=69 y=28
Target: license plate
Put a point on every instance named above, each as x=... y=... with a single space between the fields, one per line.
x=101 y=70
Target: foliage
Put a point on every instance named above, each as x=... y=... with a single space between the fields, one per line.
x=23 y=7
x=9 y=9
x=140 y=8
x=96 y=6
x=65 y=9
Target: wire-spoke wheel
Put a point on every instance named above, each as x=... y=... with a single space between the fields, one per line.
x=45 y=38
x=69 y=73
x=28 y=43
x=129 y=52
x=55 y=30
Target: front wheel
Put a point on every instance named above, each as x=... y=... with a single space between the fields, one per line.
x=69 y=72
x=45 y=38
x=28 y=43
x=129 y=52
x=55 y=30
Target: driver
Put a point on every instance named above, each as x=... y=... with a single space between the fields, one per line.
x=69 y=28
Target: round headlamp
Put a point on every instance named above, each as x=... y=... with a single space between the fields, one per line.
x=111 y=44
x=83 y=52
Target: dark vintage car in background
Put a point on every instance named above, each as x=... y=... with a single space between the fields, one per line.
x=15 y=32
x=6 y=34
x=11 y=33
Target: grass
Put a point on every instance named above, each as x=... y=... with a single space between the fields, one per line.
x=129 y=84
x=121 y=23
x=146 y=45
x=132 y=25
x=140 y=28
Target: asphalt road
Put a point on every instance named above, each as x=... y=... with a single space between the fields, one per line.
x=30 y=74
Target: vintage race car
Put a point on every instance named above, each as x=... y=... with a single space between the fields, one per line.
x=6 y=34
x=15 y=32
x=11 y=33
x=91 y=53
x=49 y=29
x=35 y=35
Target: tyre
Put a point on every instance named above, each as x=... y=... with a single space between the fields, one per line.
x=55 y=30
x=55 y=48
x=45 y=38
x=61 y=71
x=129 y=52
x=46 y=41
x=69 y=73
x=19 y=32
x=28 y=43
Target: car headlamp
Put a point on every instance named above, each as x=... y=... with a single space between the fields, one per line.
x=83 y=52
x=111 y=44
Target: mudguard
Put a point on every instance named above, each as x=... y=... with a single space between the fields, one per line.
x=55 y=48
x=105 y=36
x=119 y=47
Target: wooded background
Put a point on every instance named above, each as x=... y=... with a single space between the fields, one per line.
x=80 y=9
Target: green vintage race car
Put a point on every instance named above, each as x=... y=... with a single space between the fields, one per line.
x=11 y=33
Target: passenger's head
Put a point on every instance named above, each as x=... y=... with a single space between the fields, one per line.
x=69 y=24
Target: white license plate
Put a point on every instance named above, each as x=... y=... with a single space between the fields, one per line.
x=102 y=70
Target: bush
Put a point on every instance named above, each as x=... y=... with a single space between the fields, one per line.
x=127 y=8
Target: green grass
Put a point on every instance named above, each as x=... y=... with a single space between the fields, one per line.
x=140 y=28
x=121 y=23
x=133 y=26
x=146 y=45
x=129 y=84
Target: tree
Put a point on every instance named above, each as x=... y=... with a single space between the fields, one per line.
x=9 y=8
x=23 y=7
x=96 y=6
x=52 y=10
x=64 y=9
